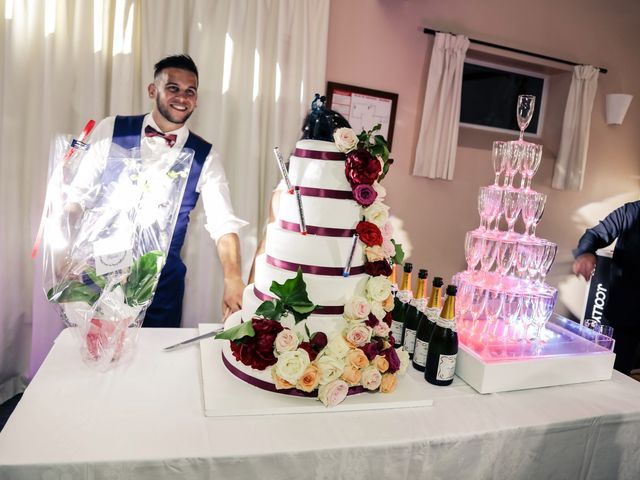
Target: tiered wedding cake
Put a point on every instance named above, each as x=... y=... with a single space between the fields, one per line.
x=331 y=241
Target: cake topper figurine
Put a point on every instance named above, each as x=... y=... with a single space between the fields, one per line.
x=303 y=226
x=283 y=169
x=322 y=122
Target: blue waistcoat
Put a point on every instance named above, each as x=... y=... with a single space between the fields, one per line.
x=166 y=308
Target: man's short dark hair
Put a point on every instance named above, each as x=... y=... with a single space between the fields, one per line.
x=182 y=61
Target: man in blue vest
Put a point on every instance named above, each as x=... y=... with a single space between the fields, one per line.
x=174 y=93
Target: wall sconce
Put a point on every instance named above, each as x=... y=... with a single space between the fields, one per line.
x=617 y=105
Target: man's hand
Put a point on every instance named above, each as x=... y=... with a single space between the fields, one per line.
x=585 y=265
x=232 y=296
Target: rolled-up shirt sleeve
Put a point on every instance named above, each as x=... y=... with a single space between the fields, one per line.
x=216 y=199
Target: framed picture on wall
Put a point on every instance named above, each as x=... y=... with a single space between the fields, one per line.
x=363 y=107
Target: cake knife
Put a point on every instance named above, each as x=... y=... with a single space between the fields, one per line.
x=193 y=340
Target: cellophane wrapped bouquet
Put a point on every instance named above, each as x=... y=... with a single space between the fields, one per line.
x=108 y=222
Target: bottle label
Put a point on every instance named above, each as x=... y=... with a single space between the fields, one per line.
x=446 y=367
x=396 y=329
x=420 y=352
x=409 y=340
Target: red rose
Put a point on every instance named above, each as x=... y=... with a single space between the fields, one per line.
x=371 y=350
x=362 y=168
x=307 y=347
x=371 y=321
x=319 y=340
x=369 y=233
x=388 y=318
x=257 y=351
x=375 y=269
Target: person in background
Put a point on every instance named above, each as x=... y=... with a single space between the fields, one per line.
x=161 y=134
x=621 y=310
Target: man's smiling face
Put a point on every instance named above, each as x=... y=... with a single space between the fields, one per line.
x=175 y=92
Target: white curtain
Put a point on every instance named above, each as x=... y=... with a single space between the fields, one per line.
x=63 y=62
x=438 y=136
x=574 y=144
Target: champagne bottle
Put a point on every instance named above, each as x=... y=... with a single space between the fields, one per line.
x=443 y=344
x=414 y=312
x=401 y=300
x=426 y=326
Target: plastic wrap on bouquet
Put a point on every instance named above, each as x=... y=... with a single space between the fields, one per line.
x=108 y=223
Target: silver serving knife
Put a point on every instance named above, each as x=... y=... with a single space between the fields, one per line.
x=193 y=340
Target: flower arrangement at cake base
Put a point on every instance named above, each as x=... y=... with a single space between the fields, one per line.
x=360 y=358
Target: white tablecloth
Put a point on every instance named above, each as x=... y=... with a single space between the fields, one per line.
x=145 y=420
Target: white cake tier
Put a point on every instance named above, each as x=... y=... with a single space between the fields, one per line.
x=312 y=251
x=320 y=212
x=324 y=290
x=329 y=324
x=317 y=173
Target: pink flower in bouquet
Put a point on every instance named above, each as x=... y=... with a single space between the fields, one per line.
x=362 y=167
x=364 y=194
x=286 y=341
x=333 y=393
x=356 y=308
x=359 y=335
x=387 y=230
x=388 y=248
x=369 y=233
x=345 y=139
x=371 y=378
x=381 y=329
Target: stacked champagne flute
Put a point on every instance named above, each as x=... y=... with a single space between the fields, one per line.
x=502 y=297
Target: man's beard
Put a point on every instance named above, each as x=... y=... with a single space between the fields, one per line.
x=171 y=116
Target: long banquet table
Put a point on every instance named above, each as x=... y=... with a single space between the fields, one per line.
x=144 y=420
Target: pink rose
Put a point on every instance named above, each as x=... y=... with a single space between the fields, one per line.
x=359 y=335
x=286 y=341
x=333 y=393
x=364 y=194
x=388 y=248
x=381 y=329
x=371 y=378
x=387 y=230
x=356 y=308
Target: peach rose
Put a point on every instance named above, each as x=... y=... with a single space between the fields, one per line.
x=374 y=253
x=389 y=383
x=356 y=359
x=387 y=304
x=381 y=363
x=351 y=375
x=309 y=379
x=281 y=383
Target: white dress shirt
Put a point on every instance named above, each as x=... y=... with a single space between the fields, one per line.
x=157 y=156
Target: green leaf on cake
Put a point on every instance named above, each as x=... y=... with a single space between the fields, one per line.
x=398 y=258
x=245 y=329
x=292 y=297
x=272 y=309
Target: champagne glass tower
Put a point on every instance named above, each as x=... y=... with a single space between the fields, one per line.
x=509 y=302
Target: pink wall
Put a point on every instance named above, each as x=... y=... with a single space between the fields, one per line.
x=379 y=44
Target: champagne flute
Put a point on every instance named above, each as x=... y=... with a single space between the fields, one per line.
x=498 y=160
x=524 y=112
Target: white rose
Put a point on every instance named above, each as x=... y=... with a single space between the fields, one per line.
x=371 y=378
x=380 y=190
x=346 y=139
x=337 y=347
x=377 y=213
x=403 y=355
x=359 y=335
x=381 y=329
x=330 y=368
x=333 y=393
x=291 y=365
x=378 y=310
x=378 y=288
x=286 y=341
x=356 y=308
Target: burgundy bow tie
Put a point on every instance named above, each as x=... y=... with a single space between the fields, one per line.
x=170 y=138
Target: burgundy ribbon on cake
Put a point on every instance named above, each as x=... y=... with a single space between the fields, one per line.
x=256 y=382
x=318 y=155
x=320 y=309
x=326 y=193
x=313 y=269
x=323 y=231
